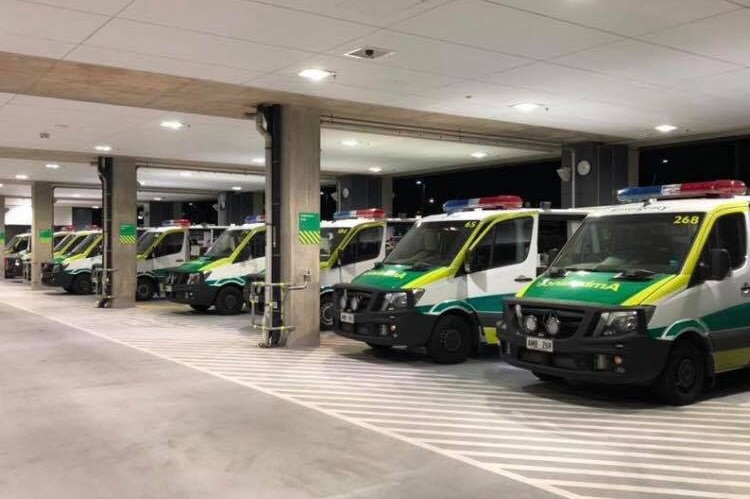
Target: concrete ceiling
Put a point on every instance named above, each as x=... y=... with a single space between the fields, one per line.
x=601 y=67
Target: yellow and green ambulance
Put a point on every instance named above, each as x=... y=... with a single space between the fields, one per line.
x=351 y=244
x=653 y=292
x=217 y=279
x=16 y=249
x=73 y=271
x=62 y=241
x=443 y=284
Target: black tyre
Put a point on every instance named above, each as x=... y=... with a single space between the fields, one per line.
x=548 y=378
x=326 y=312
x=229 y=301
x=200 y=308
x=68 y=289
x=683 y=376
x=379 y=348
x=145 y=289
x=82 y=284
x=451 y=340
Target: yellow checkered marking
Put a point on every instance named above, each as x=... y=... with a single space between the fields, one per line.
x=127 y=239
x=309 y=236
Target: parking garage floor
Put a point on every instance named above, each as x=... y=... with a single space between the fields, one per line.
x=161 y=402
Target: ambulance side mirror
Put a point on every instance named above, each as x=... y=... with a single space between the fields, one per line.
x=719 y=265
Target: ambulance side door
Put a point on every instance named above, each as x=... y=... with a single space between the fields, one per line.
x=169 y=251
x=252 y=258
x=363 y=250
x=500 y=264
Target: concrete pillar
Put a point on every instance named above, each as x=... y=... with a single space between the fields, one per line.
x=608 y=171
x=386 y=192
x=300 y=193
x=634 y=158
x=124 y=190
x=359 y=192
x=3 y=239
x=42 y=221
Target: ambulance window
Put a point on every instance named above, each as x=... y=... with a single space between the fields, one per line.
x=512 y=241
x=365 y=245
x=97 y=250
x=729 y=233
x=255 y=248
x=171 y=244
x=552 y=235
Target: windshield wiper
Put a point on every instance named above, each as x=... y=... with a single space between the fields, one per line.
x=421 y=266
x=635 y=275
x=556 y=272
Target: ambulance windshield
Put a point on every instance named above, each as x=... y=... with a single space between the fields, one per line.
x=225 y=245
x=330 y=238
x=432 y=244
x=84 y=244
x=60 y=240
x=146 y=240
x=653 y=243
x=73 y=244
x=17 y=244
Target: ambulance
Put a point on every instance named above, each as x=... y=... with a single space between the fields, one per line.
x=163 y=248
x=73 y=271
x=351 y=244
x=652 y=292
x=61 y=241
x=217 y=279
x=443 y=285
x=18 y=247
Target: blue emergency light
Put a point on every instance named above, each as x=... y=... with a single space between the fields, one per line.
x=712 y=188
x=368 y=213
x=488 y=202
x=255 y=219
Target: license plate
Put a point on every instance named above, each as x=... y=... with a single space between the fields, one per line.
x=167 y=289
x=348 y=318
x=540 y=344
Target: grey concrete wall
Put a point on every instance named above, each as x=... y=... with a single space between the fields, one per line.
x=124 y=211
x=609 y=172
x=42 y=219
x=300 y=193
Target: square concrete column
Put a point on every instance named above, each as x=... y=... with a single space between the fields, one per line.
x=123 y=215
x=300 y=193
x=42 y=230
x=3 y=240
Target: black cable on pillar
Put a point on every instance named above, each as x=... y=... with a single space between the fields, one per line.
x=104 y=167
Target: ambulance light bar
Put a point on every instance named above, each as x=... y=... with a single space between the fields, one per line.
x=180 y=222
x=712 y=188
x=368 y=213
x=502 y=202
x=92 y=227
x=254 y=219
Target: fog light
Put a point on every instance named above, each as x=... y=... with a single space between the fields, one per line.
x=617 y=360
x=530 y=323
x=393 y=327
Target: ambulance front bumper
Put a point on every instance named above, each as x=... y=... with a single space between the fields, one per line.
x=199 y=294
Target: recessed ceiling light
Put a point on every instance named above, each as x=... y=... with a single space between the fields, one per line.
x=52 y=166
x=172 y=124
x=479 y=155
x=350 y=143
x=95 y=207
x=259 y=160
x=236 y=188
x=141 y=182
x=321 y=192
x=186 y=174
x=1 y=185
x=665 y=161
x=432 y=200
x=419 y=182
x=316 y=74
x=526 y=107
x=21 y=176
x=665 y=128
x=375 y=169
x=76 y=195
x=158 y=199
x=103 y=148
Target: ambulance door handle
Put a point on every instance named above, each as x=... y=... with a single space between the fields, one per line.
x=179 y=260
x=745 y=289
x=523 y=278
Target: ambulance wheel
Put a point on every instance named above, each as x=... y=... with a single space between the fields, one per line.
x=229 y=301
x=683 y=376
x=200 y=308
x=547 y=378
x=144 y=289
x=81 y=284
x=68 y=289
x=451 y=340
x=326 y=312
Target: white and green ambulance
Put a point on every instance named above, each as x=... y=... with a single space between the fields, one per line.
x=217 y=279
x=444 y=283
x=16 y=249
x=73 y=271
x=61 y=242
x=351 y=244
x=653 y=292
x=163 y=248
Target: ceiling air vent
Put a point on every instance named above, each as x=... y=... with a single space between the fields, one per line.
x=369 y=53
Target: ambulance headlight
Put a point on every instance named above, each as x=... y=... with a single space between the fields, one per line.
x=618 y=323
x=195 y=278
x=56 y=267
x=342 y=302
x=394 y=301
x=18 y=263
